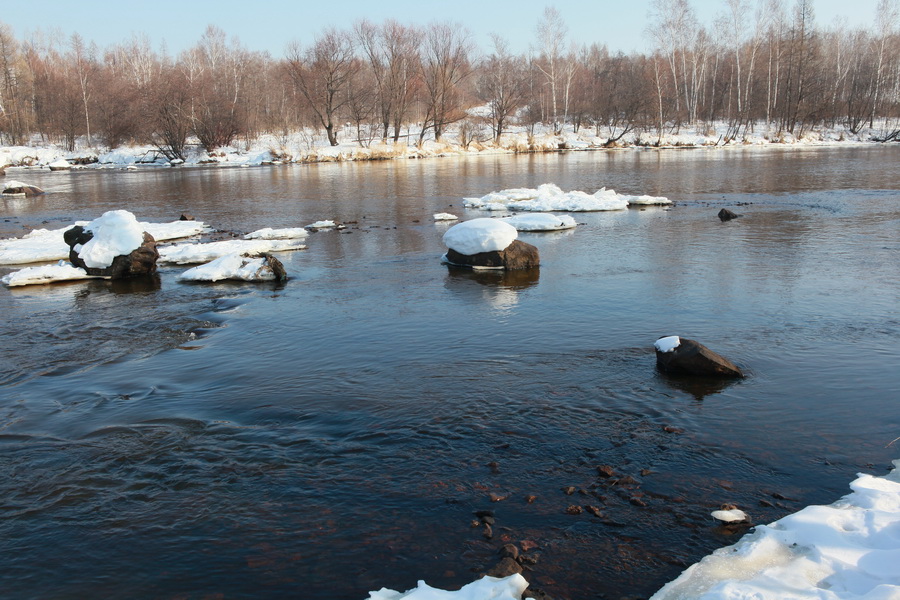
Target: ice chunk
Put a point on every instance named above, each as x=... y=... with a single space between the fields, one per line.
x=486 y=588
x=540 y=222
x=183 y=254
x=231 y=266
x=267 y=233
x=45 y=274
x=445 y=217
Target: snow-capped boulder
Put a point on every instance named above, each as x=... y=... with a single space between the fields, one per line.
x=113 y=245
x=17 y=188
x=687 y=357
x=480 y=235
x=60 y=164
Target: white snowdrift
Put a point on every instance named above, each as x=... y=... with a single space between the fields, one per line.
x=45 y=274
x=43 y=245
x=184 y=254
x=549 y=197
x=486 y=588
x=480 y=235
x=849 y=549
x=541 y=222
x=268 y=233
x=231 y=266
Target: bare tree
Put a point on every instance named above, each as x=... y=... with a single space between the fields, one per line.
x=15 y=81
x=557 y=66
x=321 y=75
x=500 y=84
x=445 y=66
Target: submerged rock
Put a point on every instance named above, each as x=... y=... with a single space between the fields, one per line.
x=687 y=357
x=727 y=215
x=517 y=255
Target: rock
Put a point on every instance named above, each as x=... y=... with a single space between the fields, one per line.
x=506 y=567
x=574 y=509
x=509 y=550
x=140 y=261
x=186 y=217
x=727 y=215
x=276 y=266
x=518 y=255
x=17 y=188
x=605 y=471
x=693 y=358
x=488 y=533
x=3 y=170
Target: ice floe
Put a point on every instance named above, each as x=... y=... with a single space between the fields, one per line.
x=480 y=235
x=327 y=224
x=550 y=197
x=541 y=222
x=848 y=549
x=445 y=217
x=62 y=271
x=267 y=233
x=233 y=267
x=184 y=254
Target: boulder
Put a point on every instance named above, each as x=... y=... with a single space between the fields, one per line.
x=3 y=170
x=140 y=261
x=687 y=357
x=727 y=215
x=518 y=255
x=17 y=188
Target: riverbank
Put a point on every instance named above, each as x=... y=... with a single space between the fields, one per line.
x=310 y=147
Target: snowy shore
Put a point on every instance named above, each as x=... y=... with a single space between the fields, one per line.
x=310 y=147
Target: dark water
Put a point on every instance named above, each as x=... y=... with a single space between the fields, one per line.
x=335 y=435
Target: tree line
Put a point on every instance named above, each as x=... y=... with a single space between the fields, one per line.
x=760 y=64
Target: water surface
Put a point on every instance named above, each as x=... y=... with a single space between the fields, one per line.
x=335 y=435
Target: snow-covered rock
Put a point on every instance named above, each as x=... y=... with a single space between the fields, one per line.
x=445 y=217
x=486 y=588
x=115 y=233
x=847 y=550
x=540 y=222
x=688 y=357
x=239 y=267
x=17 y=188
x=183 y=254
x=667 y=344
x=480 y=235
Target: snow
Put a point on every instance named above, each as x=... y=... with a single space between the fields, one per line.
x=322 y=225
x=42 y=245
x=231 y=266
x=667 y=344
x=116 y=233
x=183 y=254
x=548 y=197
x=486 y=588
x=480 y=235
x=445 y=217
x=268 y=233
x=45 y=274
x=731 y=515
x=848 y=549
x=541 y=222
x=646 y=200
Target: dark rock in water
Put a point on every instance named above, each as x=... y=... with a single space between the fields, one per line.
x=727 y=215
x=24 y=189
x=510 y=550
x=693 y=358
x=140 y=261
x=186 y=217
x=506 y=567
x=518 y=255
x=276 y=266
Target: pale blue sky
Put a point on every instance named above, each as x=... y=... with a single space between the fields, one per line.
x=271 y=24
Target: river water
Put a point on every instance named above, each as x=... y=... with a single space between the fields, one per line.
x=335 y=434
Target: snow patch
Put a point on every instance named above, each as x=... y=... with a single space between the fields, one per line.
x=733 y=515
x=322 y=225
x=445 y=217
x=480 y=235
x=667 y=344
x=486 y=588
x=45 y=274
x=267 y=233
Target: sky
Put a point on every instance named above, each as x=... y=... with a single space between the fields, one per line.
x=270 y=25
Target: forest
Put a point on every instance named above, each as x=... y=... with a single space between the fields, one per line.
x=765 y=63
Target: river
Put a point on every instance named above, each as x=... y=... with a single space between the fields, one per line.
x=335 y=434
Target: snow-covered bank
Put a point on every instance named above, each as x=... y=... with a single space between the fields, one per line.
x=849 y=549
x=311 y=146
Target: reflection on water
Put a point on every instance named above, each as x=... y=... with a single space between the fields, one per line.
x=335 y=434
